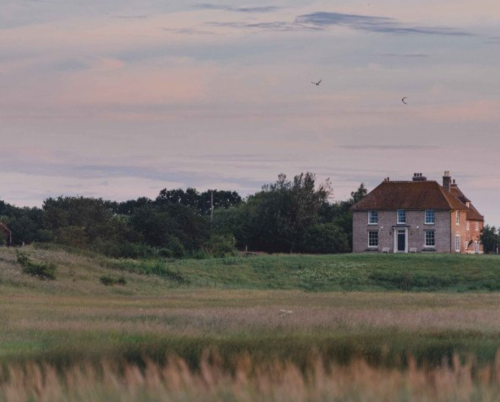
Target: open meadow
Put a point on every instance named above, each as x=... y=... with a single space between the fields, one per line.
x=258 y=328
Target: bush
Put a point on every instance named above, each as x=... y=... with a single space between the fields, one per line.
x=41 y=270
x=109 y=281
x=45 y=236
x=119 y=249
x=221 y=246
x=73 y=236
x=325 y=238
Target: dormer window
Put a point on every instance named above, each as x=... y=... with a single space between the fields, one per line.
x=401 y=216
x=372 y=217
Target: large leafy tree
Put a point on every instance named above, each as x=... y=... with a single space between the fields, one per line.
x=200 y=202
x=171 y=226
x=490 y=239
x=25 y=224
x=280 y=214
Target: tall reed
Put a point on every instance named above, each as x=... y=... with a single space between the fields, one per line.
x=271 y=382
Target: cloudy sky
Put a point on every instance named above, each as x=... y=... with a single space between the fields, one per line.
x=121 y=98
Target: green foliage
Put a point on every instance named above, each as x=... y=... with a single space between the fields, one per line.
x=341 y=272
x=490 y=239
x=280 y=214
x=326 y=238
x=41 y=270
x=220 y=246
x=72 y=236
x=24 y=223
x=110 y=281
x=199 y=202
x=171 y=226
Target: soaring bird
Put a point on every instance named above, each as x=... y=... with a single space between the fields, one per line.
x=316 y=83
x=403 y=100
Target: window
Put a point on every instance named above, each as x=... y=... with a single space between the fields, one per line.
x=372 y=239
x=458 y=217
x=468 y=225
x=457 y=243
x=477 y=226
x=429 y=217
x=476 y=247
x=430 y=238
x=401 y=216
x=373 y=217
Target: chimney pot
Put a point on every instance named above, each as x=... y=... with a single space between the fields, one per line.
x=447 y=180
x=419 y=177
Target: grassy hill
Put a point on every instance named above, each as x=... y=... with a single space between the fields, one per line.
x=82 y=273
x=346 y=272
x=379 y=308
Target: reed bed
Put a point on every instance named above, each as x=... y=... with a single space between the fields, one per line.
x=275 y=381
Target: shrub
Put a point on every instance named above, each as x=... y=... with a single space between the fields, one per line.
x=41 y=270
x=45 y=236
x=109 y=281
x=73 y=236
x=325 y=238
x=221 y=246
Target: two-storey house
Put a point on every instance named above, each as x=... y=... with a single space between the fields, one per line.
x=417 y=216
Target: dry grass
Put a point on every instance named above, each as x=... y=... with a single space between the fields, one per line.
x=76 y=275
x=55 y=335
x=275 y=381
x=381 y=327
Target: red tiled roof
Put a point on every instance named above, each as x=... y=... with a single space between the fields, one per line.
x=457 y=193
x=473 y=214
x=410 y=195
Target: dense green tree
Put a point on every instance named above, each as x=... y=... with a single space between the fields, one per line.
x=490 y=239
x=129 y=207
x=340 y=213
x=201 y=202
x=280 y=214
x=171 y=226
x=222 y=200
x=24 y=223
x=325 y=238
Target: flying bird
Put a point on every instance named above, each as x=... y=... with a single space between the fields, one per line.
x=403 y=100
x=316 y=83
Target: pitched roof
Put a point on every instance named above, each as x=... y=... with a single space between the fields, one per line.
x=473 y=214
x=410 y=195
x=457 y=193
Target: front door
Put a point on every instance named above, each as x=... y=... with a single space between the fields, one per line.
x=401 y=241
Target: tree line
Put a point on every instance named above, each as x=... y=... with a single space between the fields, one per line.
x=296 y=215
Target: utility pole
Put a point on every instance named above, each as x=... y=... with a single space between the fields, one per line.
x=212 y=209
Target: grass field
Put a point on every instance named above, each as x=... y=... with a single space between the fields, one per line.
x=364 y=314
x=79 y=274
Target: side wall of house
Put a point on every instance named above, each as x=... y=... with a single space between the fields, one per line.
x=467 y=236
x=459 y=230
x=474 y=235
x=415 y=223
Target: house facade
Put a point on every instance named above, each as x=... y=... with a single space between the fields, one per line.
x=417 y=216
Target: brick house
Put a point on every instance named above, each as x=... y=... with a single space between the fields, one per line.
x=417 y=216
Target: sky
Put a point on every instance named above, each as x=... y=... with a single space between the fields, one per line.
x=122 y=98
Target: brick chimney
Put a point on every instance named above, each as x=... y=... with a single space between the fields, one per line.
x=447 y=180
x=419 y=177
